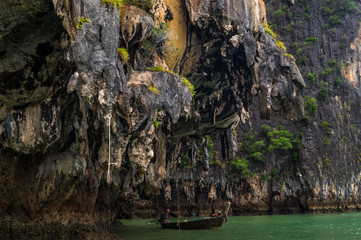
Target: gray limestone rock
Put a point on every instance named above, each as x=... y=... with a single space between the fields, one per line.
x=85 y=136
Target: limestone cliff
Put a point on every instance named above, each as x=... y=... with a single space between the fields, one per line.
x=324 y=36
x=99 y=121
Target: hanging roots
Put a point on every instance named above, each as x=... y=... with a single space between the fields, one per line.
x=109 y=117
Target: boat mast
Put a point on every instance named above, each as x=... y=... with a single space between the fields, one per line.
x=178 y=199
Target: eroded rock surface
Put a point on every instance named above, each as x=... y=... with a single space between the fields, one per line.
x=88 y=136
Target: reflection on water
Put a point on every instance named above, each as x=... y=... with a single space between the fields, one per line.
x=345 y=226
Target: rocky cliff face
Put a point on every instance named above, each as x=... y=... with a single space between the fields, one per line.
x=329 y=158
x=90 y=134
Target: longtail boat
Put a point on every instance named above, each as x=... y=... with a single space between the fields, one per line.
x=211 y=222
x=206 y=223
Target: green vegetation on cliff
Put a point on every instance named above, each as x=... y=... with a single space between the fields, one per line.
x=123 y=54
x=326 y=127
x=157 y=69
x=255 y=146
x=155 y=122
x=310 y=40
x=310 y=107
x=154 y=89
x=281 y=11
x=114 y=3
x=337 y=81
x=190 y=86
x=280 y=44
x=159 y=40
x=143 y=4
x=241 y=165
x=280 y=139
x=311 y=77
x=324 y=91
x=301 y=58
x=335 y=10
x=81 y=22
x=253 y=149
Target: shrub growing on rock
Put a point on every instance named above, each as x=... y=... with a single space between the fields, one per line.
x=310 y=107
x=123 y=54
x=241 y=165
x=114 y=3
x=310 y=40
x=311 y=77
x=338 y=81
x=158 y=39
x=324 y=91
x=280 y=139
x=154 y=89
x=326 y=127
x=81 y=22
x=189 y=85
x=157 y=69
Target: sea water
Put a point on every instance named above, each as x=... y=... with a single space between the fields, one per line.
x=343 y=226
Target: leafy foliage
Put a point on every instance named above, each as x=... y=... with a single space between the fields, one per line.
x=215 y=159
x=330 y=69
x=324 y=91
x=81 y=22
x=327 y=71
x=327 y=161
x=311 y=77
x=334 y=19
x=155 y=122
x=337 y=81
x=210 y=147
x=184 y=160
x=347 y=6
x=326 y=127
x=189 y=85
x=210 y=144
x=335 y=9
x=307 y=12
x=288 y=55
x=143 y=4
x=158 y=39
x=154 y=89
x=241 y=165
x=327 y=142
x=280 y=139
x=301 y=58
x=157 y=69
x=310 y=40
x=146 y=5
x=275 y=174
x=158 y=43
x=332 y=62
x=281 y=11
x=114 y=3
x=269 y=31
x=258 y=156
x=123 y=54
x=255 y=145
x=289 y=27
x=255 y=150
x=279 y=43
x=264 y=177
x=310 y=107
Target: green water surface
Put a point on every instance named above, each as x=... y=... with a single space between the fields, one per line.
x=345 y=226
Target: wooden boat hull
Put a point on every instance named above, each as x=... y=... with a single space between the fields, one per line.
x=214 y=222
